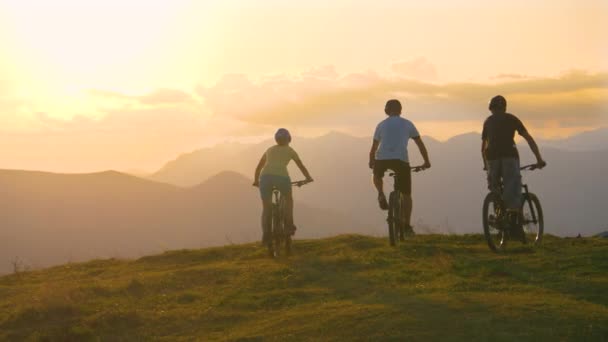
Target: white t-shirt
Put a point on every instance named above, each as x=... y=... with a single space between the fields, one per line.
x=393 y=133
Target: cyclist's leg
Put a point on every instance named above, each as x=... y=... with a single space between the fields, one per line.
x=494 y=175
x=404 y=184
x=266 y=195
x=511 y=176
x=380 y=168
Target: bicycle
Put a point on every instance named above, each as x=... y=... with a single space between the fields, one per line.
x=278 y=237
x=396 y=215
x=497 y=223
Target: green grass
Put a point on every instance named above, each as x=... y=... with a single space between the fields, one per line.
x=345 y=288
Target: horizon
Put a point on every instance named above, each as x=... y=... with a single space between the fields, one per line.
x=142 y=173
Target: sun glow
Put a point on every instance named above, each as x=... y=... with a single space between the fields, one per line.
x=62 y=48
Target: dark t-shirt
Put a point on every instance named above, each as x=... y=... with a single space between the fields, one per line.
x=499 y=130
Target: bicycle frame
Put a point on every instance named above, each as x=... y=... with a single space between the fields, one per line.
x=277 y=194
x=394 y=219
x=277 y=232
x=525 y=193
x=501 y=221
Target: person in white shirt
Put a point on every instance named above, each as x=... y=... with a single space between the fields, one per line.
x=389 y=151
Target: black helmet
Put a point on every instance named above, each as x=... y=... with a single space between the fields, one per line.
x=282 y=136
x=392 y=106
x=498 y=102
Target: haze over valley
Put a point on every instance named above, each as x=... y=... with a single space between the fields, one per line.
x=205 y=198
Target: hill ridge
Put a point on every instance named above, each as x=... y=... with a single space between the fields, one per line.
x=347 y=287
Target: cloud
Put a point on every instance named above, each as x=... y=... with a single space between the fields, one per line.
x=326 y=72
x=419 y=69
x=575 y=97
x=129 y=131
x=162 y=96
x=510 y=77
x=144 y=131
x=167 y=96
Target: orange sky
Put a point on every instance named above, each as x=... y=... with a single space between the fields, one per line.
x=87 y=85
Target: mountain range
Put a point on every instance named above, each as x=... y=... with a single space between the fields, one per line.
x=447 y=197
x=50 y=219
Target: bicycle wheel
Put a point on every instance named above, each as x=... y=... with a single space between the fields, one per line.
x=494 y=228
x=393 y=211
x=400 y=217
x=274 y=231
x=285 y=236
x=532 y=218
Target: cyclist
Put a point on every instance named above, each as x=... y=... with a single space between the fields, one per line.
x=389 y=151
x=271 y=172
x=501 y=158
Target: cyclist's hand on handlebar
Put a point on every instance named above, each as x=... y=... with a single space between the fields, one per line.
x=426 y=165
x=309 y=180
x=540 y=164
x=256 y=184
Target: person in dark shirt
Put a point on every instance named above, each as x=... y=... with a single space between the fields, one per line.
x=500 y=155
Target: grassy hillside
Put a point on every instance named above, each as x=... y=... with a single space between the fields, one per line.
x=344 y=288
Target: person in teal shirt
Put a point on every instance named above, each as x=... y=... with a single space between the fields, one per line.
x=271 y=172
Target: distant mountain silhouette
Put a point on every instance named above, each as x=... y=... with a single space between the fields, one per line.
x=51 y=218
x=447 y=198
x=595 y=140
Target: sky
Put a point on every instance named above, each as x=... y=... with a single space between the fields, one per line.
x=128 y=85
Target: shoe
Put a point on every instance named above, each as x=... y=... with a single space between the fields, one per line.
x=382 y=202
x=517 y=230
x=408 y=231
x=292 y=231
x=521 y=234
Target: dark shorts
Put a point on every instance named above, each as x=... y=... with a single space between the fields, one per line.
x=403 y=174
x=269 y=182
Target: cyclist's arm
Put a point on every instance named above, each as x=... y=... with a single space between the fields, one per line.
x=372 y=153
x=484 y=145
x=534 y=148
x=423 y=151
x=303 y=169
x=258 y=169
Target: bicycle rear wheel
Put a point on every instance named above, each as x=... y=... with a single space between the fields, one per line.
x=494 y=229
x=400 y=217
x=285 y=236
x=274 y=231
x=393 y=218
x=532 y=218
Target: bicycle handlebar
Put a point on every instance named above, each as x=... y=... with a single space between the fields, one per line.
x=413 y=168
x=300 y=183
x=417 y=168
x=530 y=167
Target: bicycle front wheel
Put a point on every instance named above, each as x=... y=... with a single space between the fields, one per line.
x=494 y=229
x=532 y=218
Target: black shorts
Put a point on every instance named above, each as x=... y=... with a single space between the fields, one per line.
x=403 y=174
